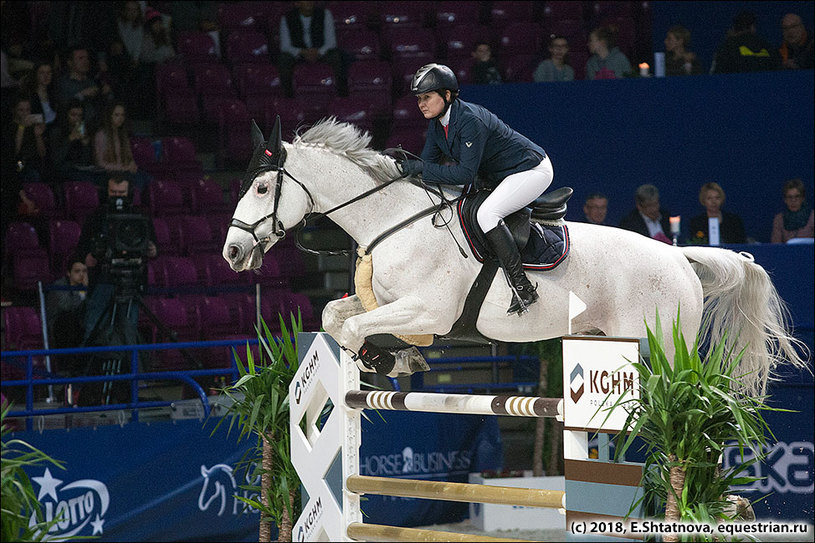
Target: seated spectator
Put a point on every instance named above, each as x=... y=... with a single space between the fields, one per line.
x=65 y=312
x=485 y=69
x=647 y=218
x=556 y=67
x=38 y=85
x=744 y=50
x=797 y=220
x=156 y=47
x=112 y=147
x=606 y=61
x=78 y=83
x=678 y=59
x=307 y=34
x=595 y=208
x=23 y=155
x=797 y=50
x=71 y=149
x=730 y=226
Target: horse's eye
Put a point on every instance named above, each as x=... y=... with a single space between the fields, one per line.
x=263 y=189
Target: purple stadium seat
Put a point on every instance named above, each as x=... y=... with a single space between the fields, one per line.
x=404 y=14
x=372 y=80
x=208 y=197
x=407 y=115
x=180 y=272
x=234 y=135
x=291 y=110
x=409 y=139
x=181 y=107
x=19 y=237
x=503 y=12
x=63 y=236
x=353 y=110
x=180 y=153
x=459 y=41
x=291 y=302
x=166 y=198
x=236 y=16
x=81 y=199
x=23 y=329
x=518 y=38
x=164 y=241
x=602 y=10
x=43 y=196
x=360 y=44
x=197 y=236
x=247 y=46
x=572 y=29
x=269 y=273
x=452 y=13
x=352 y=15
x=562 y=10
x=314 y=85
x=195 y=47
x=171 y=76
x=410 y=43
x=29 y=267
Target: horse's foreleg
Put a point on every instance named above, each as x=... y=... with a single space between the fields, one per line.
x=406 y=316
x=336 y=312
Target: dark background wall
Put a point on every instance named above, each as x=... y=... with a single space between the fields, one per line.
x=748 y=132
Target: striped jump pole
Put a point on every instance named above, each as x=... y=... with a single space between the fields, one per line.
x=325 y=452
x=517 y=406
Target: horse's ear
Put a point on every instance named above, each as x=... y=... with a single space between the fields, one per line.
x=257 y=135
x=275 y=140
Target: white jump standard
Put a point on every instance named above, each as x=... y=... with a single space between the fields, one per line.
x=327 y=459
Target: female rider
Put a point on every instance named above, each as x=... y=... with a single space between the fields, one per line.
x=480 y=144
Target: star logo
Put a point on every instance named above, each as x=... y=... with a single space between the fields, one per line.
x=97 y=525
x=48 y=485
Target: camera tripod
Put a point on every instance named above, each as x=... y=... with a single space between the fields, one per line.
x=115 y=327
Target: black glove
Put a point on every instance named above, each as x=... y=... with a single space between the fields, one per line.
x=411 y=168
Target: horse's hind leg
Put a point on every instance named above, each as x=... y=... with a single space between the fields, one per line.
x=336 y=312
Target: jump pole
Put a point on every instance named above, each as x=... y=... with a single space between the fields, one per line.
x=327 y=458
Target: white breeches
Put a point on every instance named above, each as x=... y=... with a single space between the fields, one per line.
x=513 y=193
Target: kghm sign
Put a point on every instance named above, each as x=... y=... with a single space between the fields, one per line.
x=597 y=371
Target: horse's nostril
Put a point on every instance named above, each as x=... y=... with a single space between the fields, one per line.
x=234 y=251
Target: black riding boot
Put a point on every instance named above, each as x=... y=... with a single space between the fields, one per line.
x=503 y=246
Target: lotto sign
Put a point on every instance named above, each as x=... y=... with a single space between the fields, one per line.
x=597 y=371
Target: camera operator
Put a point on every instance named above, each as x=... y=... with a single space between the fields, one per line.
x=115 y=274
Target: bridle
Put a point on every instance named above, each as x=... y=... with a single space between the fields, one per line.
x=266 y=160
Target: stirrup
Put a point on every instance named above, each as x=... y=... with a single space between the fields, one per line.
x=521 y=306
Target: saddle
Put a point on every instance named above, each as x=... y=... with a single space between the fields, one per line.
x=538 y=230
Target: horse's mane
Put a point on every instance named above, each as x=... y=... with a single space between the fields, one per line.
x=346 y=139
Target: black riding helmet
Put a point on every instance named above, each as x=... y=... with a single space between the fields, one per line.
x=435 y=77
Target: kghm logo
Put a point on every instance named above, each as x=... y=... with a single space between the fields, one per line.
x=604 y=382
x=308 y=372
x=75 y=505
x=311 y=517
x=576 y=387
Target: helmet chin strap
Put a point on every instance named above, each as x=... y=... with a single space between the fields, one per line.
x=446 y=107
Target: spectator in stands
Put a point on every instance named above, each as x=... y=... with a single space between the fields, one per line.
x=477 y=142
x=606 y=61
x=38 y=85
x=556 y=67
x=743 y=50
x=9 y=85
x=679 y=60
x=731 y=227
x=307 y=34
x=797 y=220
x=156 y=47
x=23 y=153
x=112 y=149
x=647 y=218
x=94 y=244
x=78 y=83
x=65 y=310
x=131 y=81
x=797 y=50
x=189 y=16
x=595 y=208
x=71 y=149
x=86 y=25
x=485 y=69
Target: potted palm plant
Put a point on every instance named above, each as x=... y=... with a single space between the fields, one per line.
x=688 y=412
x=19 y=500
x=260 y=409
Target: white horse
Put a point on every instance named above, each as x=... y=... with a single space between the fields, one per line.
x=420 y=278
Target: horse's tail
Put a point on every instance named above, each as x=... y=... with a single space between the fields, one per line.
x=740 y=299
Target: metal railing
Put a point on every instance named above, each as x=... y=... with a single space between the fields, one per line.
x=134 y=376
